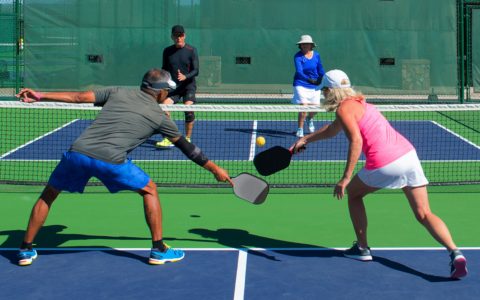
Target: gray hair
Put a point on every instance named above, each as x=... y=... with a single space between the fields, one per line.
x=155 y=76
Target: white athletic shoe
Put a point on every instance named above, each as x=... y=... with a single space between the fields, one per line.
x=300 y=132
x=311 y=127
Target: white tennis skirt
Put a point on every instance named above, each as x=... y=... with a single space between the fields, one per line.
x=405 y=171
x=303 y=95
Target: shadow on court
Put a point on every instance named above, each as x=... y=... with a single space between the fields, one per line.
x=51 y=236
x=237 y=238
x=405 y=269
x=264 y=132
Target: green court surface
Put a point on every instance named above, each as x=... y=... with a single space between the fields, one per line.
x=215 y=218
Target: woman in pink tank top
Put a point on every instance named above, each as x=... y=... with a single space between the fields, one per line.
x=391 y=162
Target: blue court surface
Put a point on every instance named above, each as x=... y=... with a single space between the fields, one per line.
x=234 y=140
x=238 y=274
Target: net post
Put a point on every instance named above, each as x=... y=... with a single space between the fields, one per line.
x=460 y=49
x=19 y=43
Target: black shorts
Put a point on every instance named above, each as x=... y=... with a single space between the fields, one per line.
x=183 y=94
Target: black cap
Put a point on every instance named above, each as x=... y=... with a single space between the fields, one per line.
x=178 y=29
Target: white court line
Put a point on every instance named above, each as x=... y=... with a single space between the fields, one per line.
x=242 y=249
x=40 y=137
x=241 y=273
x=253 y=139
x=230 y=160
x=456 y=134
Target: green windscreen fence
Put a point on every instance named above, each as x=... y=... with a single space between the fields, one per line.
x=10 y=56
x=388 y=48
x=476 y=50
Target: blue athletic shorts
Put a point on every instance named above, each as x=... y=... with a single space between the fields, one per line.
x=75 y=170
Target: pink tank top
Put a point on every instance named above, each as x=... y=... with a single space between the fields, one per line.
x=382 y=144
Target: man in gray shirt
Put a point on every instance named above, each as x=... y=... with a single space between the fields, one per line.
x=127 y=119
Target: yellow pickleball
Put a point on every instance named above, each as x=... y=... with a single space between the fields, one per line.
x=260 y=141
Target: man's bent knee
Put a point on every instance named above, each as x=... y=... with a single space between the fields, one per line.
x=150 y=188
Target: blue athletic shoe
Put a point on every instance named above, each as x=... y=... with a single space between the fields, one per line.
x=26 y=257
x=170 y=255
x=458 y=264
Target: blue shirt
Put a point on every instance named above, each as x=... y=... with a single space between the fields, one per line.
x=307 y=69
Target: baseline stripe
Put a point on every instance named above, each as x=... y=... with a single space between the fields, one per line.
x=76 y=249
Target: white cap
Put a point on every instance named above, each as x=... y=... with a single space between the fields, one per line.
x=306 y=39
x=335 y=79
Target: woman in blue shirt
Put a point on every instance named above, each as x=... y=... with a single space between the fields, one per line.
x=308 y=75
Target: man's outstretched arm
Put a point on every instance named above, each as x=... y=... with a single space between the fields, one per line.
x=29 y=96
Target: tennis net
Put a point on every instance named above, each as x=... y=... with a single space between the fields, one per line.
x=446 y=136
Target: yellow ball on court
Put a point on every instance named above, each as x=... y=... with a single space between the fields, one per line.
x=260 y=141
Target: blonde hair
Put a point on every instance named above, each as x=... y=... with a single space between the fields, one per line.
x=335 y=96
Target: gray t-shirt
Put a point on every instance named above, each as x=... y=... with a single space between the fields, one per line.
x=128 y=118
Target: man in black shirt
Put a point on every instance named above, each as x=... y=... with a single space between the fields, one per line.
x=181 y=60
